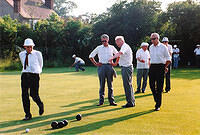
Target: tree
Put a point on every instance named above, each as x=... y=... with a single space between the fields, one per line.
x=63 y=7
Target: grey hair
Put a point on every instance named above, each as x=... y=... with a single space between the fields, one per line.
x=155 y=34
x=119 y=37
x=105 y=36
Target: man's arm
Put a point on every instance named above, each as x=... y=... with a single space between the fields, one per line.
x=95 y=63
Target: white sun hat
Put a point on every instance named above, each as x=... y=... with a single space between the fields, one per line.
x=144 y=44
x=29 y=42
x=165 y=39
x=175 y=46
x=73 y=56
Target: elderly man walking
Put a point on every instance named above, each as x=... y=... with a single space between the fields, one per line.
x=125 y=58
x=105 y=69
x=143 y=62
x=32 y=62
x=165 y=41
x=159 y=60
x=176 y=58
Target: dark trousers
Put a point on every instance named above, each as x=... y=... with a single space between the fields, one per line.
x=198 y=60
x=78 y=66
x=167 y=79
x=105 y=72
x=30 y=81
x=156 y=80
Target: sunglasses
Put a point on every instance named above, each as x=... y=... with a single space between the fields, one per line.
x=164 y=41
x=103 y=41
x=153 y=38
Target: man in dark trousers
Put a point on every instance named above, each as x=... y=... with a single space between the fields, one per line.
x=32 y=62
x=105 y=69
x=159 y=61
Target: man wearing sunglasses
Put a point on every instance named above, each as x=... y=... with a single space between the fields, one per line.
x=165 y=41
x=159 y=62
x=105 y=69
x=32 y=62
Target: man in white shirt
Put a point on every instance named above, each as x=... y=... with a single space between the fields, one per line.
x=105 y=69
x=159 y=60
x=197 y=54
x=143 y=62
x=165 y=41
x=125 y=59
x=176 y=52
x=32 y=62
x=78 y=63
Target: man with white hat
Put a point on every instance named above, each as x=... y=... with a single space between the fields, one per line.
x=32 y=62
x=165 y=41
x=78 y=63
x=197 y=53
x=143 y=63
x=176 y=52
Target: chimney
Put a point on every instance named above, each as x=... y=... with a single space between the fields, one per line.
x=49 y=3
x=17 y=6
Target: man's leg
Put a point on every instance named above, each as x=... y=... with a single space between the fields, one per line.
x=127 y=83
x=76 y=67
x=101 y=74
x=109 y=76
x=139 y=78
x=25 y=95
x=167 y=76
x=34 y=92
x=145 y=76
x=160 y=82
x=152 y=81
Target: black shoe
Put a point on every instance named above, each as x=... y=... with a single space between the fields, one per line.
x=137 y=91
x=128 y=105
x=27 y=118
x=41 y=109
x=100 y=104
x=113 y=104
x=143 y=91
x=83 y=70
x=157 y=109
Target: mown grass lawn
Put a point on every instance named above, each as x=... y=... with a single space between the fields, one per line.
x=66 y=93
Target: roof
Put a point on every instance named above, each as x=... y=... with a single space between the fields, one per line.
x=33 y=9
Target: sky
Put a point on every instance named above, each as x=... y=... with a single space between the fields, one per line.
x=100 y=6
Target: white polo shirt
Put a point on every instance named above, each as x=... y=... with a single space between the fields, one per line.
x=197 y=51
x=126 y=58
x=104 y=53
x=77 y=59
x=35 y=61
x=159 y=54
x=142 y=55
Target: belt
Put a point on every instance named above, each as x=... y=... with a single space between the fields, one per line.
x=105 y=63
x=29 y=73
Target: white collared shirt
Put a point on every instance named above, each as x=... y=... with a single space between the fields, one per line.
x=35 y=61
x=142 y=55
x=176 y=50
x=197 y=51
x=104 y=53
x=159 y=54
x=126 y=58
x=77 y=59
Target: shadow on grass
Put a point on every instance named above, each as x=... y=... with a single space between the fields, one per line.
x=45 y=117
x=100 y=124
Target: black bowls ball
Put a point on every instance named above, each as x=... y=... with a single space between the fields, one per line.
x=65 y=122
x=54 y=124
x=78 y=117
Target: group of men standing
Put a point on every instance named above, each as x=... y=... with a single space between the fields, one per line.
x=155 y=63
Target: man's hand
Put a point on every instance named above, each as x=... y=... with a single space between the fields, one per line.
x=98 y=64
x=143 y=61
x=166 y=69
